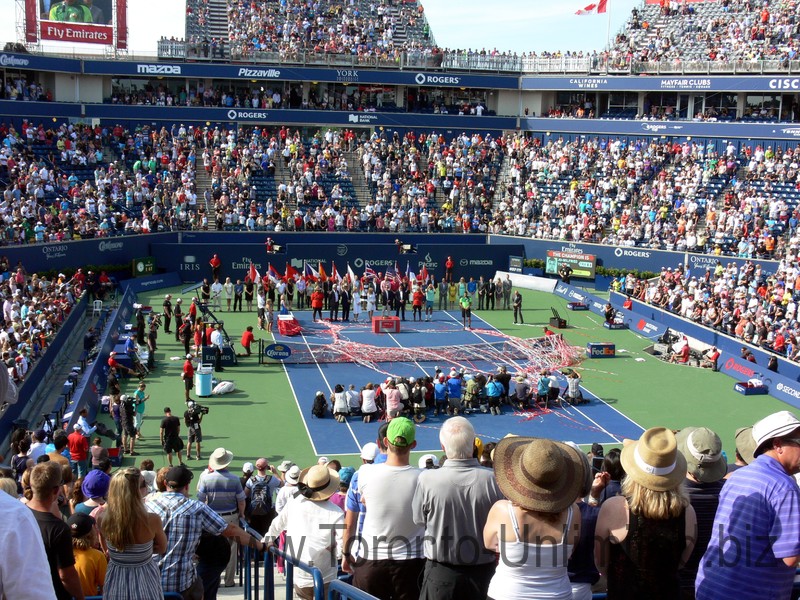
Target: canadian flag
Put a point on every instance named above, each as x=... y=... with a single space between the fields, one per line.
x=593 y=9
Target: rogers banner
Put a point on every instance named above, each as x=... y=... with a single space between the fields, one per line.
x=77 y=33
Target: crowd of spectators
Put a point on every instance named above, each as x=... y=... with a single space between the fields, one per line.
x=677 y=490
x=34 y=307
x=742 y=302
x=725 y=31
x=662 y=195
x=58 y=185
x=325 y=28
x=20 y=87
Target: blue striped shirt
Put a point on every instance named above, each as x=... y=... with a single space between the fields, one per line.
x=221 y=490
x=757 y=525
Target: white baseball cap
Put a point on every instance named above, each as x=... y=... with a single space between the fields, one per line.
x=423 y=461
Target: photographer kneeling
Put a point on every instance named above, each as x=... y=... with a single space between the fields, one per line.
x=192 y=418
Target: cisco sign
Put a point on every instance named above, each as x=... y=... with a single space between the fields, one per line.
x=159 y=69
x=277 y=351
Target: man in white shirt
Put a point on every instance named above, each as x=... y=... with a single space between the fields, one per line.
x=216 y=294
x=216 y=342
x=391 y=541
x=313 y=526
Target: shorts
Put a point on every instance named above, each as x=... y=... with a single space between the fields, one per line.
x=129 y=427
x=195 y=434
x=429 y=304
x=260 y=313
x=187 y=384
x=173 y=444
x=466 y=312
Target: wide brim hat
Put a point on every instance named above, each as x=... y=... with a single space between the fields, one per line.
x=702 y=450
x=319 y=482
x=745 y=444
x=220 y=459
x=538 y=474
x=653 y=461
x=776 y=425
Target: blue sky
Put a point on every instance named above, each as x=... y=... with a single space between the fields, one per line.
x=514 y=25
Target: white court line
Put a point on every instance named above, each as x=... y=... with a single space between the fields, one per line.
x=325 y=379
x=585 y=416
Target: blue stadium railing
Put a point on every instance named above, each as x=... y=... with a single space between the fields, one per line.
x=167 y=596
x=254 y=590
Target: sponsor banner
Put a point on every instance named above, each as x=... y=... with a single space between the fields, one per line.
x=39 y=370
x=645 y=83
x=573 y=294
x=34 y=62
x=71 y=255
x=165 y=115
x=258 y=73
x=151 y=282
x=638 y=259
x=77 y=33
x=671 y=129
x=278 y=351
x=190 y=260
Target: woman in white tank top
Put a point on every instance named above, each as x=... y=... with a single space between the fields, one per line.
x=535 y=530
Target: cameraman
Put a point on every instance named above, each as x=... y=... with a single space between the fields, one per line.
x=192 y=418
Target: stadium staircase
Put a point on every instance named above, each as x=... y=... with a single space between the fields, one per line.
x=202 y=183
x=218 y=19
x=360 y=185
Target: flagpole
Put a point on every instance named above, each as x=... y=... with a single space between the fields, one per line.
x=608 y=30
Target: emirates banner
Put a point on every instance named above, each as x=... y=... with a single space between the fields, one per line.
x=77 y=33
x=77 y=21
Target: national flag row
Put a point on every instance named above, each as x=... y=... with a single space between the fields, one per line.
x=310 y=274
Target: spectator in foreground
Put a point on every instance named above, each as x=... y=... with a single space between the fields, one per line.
x=759 y=510
x=645 y=535
x=183 y=529
x=706 y=469
x=453 y=503
x=393 y=564
x=313 y=526
x=89 y=562
x=541 y=480
x=21 y=546
x=45 y=481
x=133 y=536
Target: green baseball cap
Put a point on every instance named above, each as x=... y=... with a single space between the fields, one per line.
x=401 y=432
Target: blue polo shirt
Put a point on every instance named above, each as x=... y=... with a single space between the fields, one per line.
x=757 y=525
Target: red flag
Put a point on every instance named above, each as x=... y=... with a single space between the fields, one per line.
x=424 y=274
x=593 y=9
x=253 y=273
x=322 y=275
x=291 y=272
x=350 y=275
x=335 y=274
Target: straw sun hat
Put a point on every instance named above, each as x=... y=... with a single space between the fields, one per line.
x=318 y=483
x=538 y=474
x=653 y=461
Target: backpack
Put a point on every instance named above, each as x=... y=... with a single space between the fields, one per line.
x=260 y=496
x=319 y=407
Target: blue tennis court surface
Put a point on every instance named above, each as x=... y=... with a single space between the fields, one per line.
x=363 y=356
